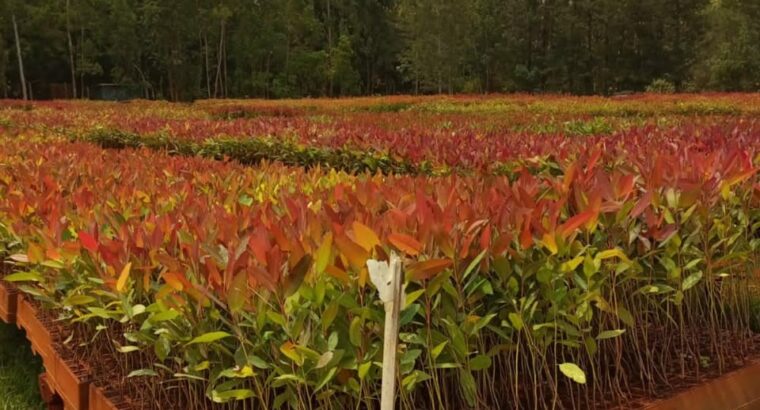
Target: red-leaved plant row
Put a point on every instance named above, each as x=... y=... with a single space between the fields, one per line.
x=584 y=281
x=469 y=133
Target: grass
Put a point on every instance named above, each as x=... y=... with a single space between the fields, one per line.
x=18 y=371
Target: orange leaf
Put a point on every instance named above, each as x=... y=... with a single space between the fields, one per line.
x=34 y=253
x=405 y=243
x=363 y=276
x=122 y=281
x=569 y=176
x=355 y=254
x=338 y=273
x=365 y=236
x=427 y=269
x=173 y=280
x=52 y=253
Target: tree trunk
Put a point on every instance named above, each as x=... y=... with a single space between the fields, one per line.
x=218 y=78
x=81 y=64
x=22 y=78
x=224 y=64
x=206 y=66
x=71 y=52
x=330 y=48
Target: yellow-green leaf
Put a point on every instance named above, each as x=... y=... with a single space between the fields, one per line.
x=323 y=253
x=550 y=242
x=364 y=369
x=611 y=253
x=609 y=334
x=570 y=265
x=289 y=350
x=23 y=277
x=209 y=337
x=438 y=349
x=574 y=372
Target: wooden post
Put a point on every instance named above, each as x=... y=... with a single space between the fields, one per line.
x=388 y=279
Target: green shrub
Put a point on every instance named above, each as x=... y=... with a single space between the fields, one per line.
x=661 y=86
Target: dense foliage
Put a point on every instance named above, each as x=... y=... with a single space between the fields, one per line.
x=288 y=48
x=600 y=270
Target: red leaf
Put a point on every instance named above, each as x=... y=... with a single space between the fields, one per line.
x=640 y=206
x=593 y=160
x=88 y=241
x=575 y=222
x=526 y=237
x=485 y=238
x=625 y=186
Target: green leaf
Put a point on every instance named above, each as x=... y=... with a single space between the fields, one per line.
x=574 y=372
x=354 y=332
x=324 y=359
x=258 y=362
x=331 y=311
x=101 y=313
x=516 y=321
x=245 y=200
x=127 y=349
x=625 y=316
x=609 y=334
x=75 y=300
x=138 y=310
x=327 y=378
x=53 y=264
x=142 y=372
x=457 y=340
x=480 y=362
x=237 y=294
x=473 y=264
x=162 y=348
x=408 y=315
x=691 y=280
x=209 y=337
x=413 y=379
x=24 y=277
x=467 y=383
x=276 y=318
x=364 y=369
x=238 y=394
x=438 y=349
x=237 y=372
x=412 y=297
x=170 y=314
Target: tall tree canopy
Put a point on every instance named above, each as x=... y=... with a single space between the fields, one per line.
x=187 y=49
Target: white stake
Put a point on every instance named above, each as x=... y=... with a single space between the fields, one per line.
x=390 y=284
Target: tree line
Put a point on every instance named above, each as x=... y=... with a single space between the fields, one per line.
x=188 y=49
